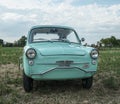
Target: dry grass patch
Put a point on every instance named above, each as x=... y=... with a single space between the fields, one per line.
x=55 y=92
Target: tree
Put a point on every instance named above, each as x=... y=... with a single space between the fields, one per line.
x=114 y=41
x=1 y=42
x=118 y=40
x=21 y=42
x=9 y=44
x=106 y=41
x=110 y=42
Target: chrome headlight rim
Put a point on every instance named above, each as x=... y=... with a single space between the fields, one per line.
x=94 y=54
x=28 y=53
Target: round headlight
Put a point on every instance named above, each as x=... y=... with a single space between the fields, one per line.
x=94 y=54
x=31 y=53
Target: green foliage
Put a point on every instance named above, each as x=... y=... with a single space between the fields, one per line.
x=8 y=44
x=110 y=42
x=1 y=42
x=21 y=41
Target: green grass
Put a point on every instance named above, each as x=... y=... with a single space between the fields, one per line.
x=10 y=55
x=109 y=60
x=106 y=88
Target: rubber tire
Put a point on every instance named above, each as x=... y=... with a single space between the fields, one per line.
x=87 y=82
x=27 y=83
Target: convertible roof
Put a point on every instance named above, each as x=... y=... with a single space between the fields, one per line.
x=51 y=26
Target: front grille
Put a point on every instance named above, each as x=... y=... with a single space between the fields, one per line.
x=64 y=63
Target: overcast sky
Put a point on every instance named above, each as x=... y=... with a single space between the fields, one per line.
x=92 y=19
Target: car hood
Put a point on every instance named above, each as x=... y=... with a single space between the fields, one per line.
x=51 y=49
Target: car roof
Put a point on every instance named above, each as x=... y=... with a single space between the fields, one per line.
x=51 y=26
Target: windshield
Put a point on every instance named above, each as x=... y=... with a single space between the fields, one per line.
x=53 y=35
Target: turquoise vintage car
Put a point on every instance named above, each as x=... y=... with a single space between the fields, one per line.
x=56 y=53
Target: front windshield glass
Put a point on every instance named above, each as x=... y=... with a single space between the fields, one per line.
x=54 y=34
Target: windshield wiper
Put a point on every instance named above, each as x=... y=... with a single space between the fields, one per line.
x=61 y=40
x=65 y=40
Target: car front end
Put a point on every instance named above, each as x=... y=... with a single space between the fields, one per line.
x=58 y=59
x=60 y=66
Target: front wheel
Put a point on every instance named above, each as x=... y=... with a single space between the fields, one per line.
x=87 y=82
x=27 y=83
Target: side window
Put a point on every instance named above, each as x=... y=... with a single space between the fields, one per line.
x=72 y=37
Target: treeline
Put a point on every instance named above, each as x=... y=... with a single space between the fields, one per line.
x=104 y=42
x=110 y=42
x=19 y=43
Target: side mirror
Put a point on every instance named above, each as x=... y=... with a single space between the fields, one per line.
x=82 y=39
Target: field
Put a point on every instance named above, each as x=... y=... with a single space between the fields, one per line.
x=105 y=90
